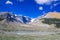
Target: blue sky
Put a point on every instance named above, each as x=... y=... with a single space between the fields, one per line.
x=31 y=8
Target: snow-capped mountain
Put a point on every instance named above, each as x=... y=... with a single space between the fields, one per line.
x=10 y=17
x=23 y=19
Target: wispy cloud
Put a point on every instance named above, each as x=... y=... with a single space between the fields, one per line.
x=9 y=2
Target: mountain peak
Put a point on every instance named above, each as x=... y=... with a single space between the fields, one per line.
x=52 y=15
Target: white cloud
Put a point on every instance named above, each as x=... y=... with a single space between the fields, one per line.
x=40 y=8
x=9 y=2
x=44 y=1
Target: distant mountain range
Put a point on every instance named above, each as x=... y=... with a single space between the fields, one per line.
x=11 y=21
x=10 y=17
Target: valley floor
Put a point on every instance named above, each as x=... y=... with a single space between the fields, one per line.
x=29 y=33
x=29 y=37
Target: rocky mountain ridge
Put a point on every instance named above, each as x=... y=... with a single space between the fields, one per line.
x=9 y=21
x=10 y=17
